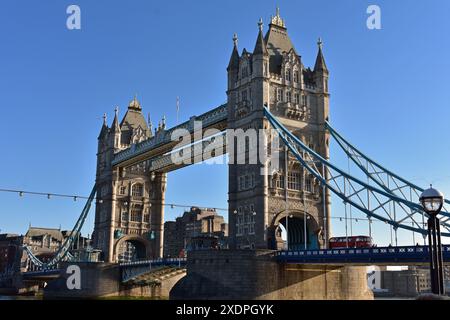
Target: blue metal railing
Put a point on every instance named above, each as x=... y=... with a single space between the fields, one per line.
x=395 y=255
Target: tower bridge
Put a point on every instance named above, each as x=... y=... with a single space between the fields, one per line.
x=268 y=89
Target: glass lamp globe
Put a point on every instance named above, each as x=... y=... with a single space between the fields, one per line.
x=432 y=201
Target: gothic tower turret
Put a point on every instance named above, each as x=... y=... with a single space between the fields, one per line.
x=262 y=199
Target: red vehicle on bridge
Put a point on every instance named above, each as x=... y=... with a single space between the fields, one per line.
x=351 y=242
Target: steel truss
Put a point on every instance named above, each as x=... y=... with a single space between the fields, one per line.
x=378 y=203
x=63 y=253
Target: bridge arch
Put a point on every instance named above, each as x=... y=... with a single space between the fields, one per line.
x=131 y=248
x=295 y=229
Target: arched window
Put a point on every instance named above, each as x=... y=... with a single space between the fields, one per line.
x=137 y=190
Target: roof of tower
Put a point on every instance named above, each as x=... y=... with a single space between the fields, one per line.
x=134 y=119
x=260 y=46
x=277 y=41
x=320 y=60
x=234 y=60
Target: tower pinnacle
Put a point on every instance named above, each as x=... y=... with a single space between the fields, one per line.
x=235 y=40
x=260 y=24
x=277 y=20
x=320 y=43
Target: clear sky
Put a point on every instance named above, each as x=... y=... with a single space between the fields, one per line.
x=390 y=88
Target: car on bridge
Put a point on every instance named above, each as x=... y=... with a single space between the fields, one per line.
x=351 y=242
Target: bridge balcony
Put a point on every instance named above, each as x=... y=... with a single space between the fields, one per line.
x=294 y=111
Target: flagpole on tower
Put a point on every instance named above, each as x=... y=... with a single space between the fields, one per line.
x=178 y=107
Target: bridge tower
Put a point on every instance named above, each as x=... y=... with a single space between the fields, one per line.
x=261 y=201
x=129 y=208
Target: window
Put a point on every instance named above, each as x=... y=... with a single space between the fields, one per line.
x=288 y=75
x=297 y=98
x=137 y=190
x=124 y=216
x=103 y=215
x=147 y=218
x=288 y=96
x=247 y=182
x=304 y=100
x=293 y=180
x=122 y=190
x=279 y=95
x=104 y=191
x=279 y=182
x=136 y=213
x=244 y=95
x=308 y=185
x=296 y=77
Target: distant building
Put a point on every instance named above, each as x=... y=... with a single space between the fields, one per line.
x=184 y=233
x=42 y=242
x=9 y=253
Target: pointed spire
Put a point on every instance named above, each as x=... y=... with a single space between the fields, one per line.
x=234 y=60
x=320 y=60
x=104 y=126
x=150 y=125
x=115 y=126
x=260 y=46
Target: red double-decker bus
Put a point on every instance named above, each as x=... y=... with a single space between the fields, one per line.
x=351 y=242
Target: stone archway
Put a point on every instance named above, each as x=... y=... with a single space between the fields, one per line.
x=132 y=248
x=295 y=229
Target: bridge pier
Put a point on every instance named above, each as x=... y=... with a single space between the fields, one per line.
x=255 y=275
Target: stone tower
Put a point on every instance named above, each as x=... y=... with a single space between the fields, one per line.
x=261 y=202
x=129 y=208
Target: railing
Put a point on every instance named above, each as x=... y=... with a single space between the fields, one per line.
x=361 y=255
x=134 y=269
x=165 y=261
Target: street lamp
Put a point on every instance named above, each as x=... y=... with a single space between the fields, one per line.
x=432 y=201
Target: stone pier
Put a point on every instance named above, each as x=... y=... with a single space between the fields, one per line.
x=255 y=275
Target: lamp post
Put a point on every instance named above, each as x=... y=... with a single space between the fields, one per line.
x=432 y=201
x=287 y=230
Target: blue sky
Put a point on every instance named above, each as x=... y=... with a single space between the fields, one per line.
x=390 y=88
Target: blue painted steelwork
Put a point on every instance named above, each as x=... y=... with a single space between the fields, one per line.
x=63 y=253
x=41 y=273
x=368 y=256
x=361 y=192
x=383 y=177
